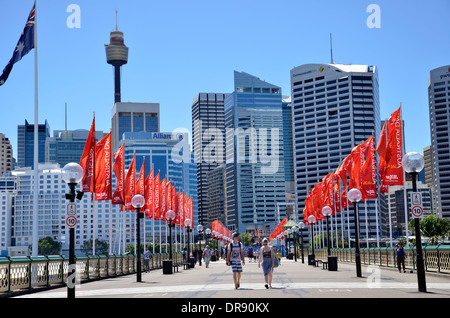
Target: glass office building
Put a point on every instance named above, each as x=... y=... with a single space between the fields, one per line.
x=170 y=155
x=133 y=117
x=25 y=143
x=254 y=154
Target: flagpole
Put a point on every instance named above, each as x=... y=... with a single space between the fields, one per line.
x=36 y=145
x=405 y=203
x=94 y=234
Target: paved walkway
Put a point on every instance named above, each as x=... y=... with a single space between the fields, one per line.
x=290 y=280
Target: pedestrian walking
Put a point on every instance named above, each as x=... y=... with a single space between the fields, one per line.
x=207 y=256
x=267 y=258
x=400 y=257
x=250 y=254
x=235 y=258
x=147 y=257
x=279 y=257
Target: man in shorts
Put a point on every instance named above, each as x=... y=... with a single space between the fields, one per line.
x=235 y=258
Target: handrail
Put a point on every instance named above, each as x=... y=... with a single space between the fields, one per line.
x=27 y=273
x=436 y=258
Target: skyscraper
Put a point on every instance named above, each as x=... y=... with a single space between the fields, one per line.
x=25 y=143
x=67 y=145
x=254 y=154
x=334 y=108
x=133 y=117
x=439 y=103
x=6 y=155
x=208 y=131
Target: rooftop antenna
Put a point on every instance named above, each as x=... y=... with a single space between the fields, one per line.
x=331 y=48
x=116 y=21
x=66 y=118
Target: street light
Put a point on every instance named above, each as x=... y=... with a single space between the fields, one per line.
x=187 y=224
x=354 y=195
x=312 y=257
x=301 y=226
x=170 y=216
x=72 y=173
x=200 y=236
x=413 y=163
x=138 y=202
x=295 y=230
x=326 y=211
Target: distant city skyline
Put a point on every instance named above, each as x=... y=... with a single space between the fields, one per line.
x=172 y=56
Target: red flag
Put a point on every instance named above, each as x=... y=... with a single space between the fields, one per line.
x=337 y=191
x=140 y=184
x=394 y=168
x=163 y=200
x=368 y=174
x=357 y=158
x=149 y=195
x=102 y=169
x=119 y=170
x=87 y=161
x=181 y=209
x=156 y=198
x=381 y=150
x=130 y=184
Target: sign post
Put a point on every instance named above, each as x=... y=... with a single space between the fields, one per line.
x=416 y=204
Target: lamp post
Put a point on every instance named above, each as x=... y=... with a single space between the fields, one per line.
x=207 y=235
x=200 y=236
x=187 y=224
x=354 y=195
x=295 y=230
x=72 y=173
x=301 y=226
x=413 y=163
x=326 y=211
x=312 y=257
x=138 y=202
x=170 y=216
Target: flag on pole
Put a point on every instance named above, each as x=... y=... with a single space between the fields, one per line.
x=23 y=47
x=130 y=184
x=87 y=161
x=119 y=170
x=394 y=168
x=381 y=150
x=156 y=198
x=102 y=170
x=140 y=184
x=368 y=174
x=149 y=195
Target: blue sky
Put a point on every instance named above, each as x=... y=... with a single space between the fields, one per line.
x=179 y=48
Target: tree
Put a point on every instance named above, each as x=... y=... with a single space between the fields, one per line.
x=436 y=229
x=101 y=247
x=246 y=239
x=48 y=246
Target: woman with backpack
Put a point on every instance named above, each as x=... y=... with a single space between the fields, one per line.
x=267 y=257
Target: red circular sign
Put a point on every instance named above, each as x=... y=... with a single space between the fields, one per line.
x=71 y=221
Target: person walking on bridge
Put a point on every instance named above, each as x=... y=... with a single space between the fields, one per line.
x=235 y=254
x=267 y=257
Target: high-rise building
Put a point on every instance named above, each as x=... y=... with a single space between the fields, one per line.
x=170 y=155
x=439 y=103
x=6 y=155
x=25 y=143
x=254 y=154
x=208 y=131
x=334 y=108
x=133 y=117
x=67 y=145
